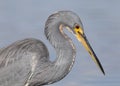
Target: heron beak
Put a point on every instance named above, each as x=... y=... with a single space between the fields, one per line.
x=82 y=38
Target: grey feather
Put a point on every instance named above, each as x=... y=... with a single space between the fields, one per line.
x=26 y=62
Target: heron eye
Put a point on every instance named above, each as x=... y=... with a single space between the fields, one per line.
x=77 y=26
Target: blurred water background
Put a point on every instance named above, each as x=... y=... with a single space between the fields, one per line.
x=21 y=19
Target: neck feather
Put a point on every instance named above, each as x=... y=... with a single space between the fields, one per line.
x=65 y=50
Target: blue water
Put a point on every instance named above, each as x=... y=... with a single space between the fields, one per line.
x=21 y=19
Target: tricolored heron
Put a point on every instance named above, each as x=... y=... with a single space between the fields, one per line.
x=26 y=62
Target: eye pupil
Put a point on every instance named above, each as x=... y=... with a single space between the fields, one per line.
x=77 y=27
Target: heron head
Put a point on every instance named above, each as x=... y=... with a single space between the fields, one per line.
x=73 y=23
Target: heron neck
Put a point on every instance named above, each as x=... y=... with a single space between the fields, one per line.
x=65 y=50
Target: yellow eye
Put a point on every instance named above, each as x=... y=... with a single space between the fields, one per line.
x=78 y=29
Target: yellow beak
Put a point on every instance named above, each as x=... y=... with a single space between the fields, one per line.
x=82 y=38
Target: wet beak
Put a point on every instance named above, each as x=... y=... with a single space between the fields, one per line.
x=82 y=38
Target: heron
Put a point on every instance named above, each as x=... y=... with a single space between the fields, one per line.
x=27 y=63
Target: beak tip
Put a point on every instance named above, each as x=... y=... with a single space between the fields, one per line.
x=103 y=73
x=102 y=70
